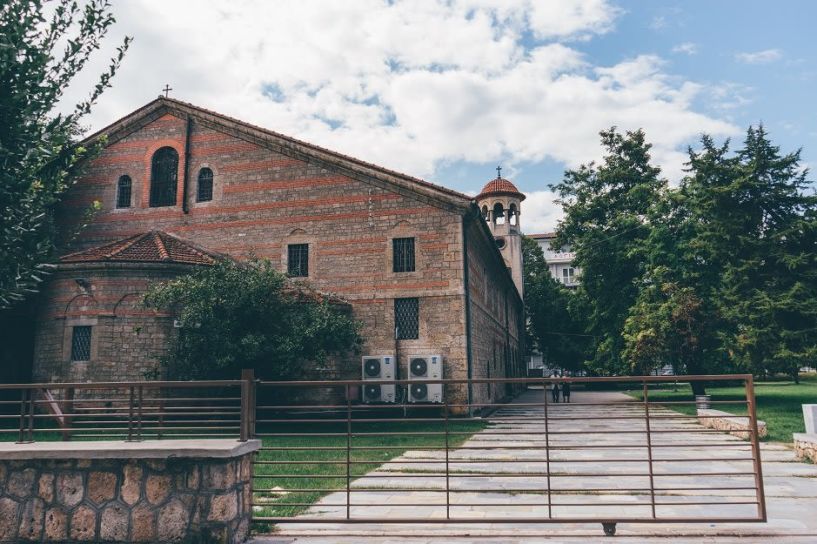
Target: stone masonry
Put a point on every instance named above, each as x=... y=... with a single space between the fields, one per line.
x=125 y=500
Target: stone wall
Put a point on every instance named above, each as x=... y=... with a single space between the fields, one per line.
x=734 y=425
x=805 y=446
x=87 y=499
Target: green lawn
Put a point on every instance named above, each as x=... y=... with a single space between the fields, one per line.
x=327 y=468
x=778 y=403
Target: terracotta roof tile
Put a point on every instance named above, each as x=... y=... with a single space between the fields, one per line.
x=151 y=247
x=500 y=186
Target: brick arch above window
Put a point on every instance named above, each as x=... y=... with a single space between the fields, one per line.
x=178 y=146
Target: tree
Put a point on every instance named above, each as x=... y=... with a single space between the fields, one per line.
x=555 y=324
x=39 y=56
x=248 y=315
x=606 y=209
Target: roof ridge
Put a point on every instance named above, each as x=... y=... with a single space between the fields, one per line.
x=127 y=244
x=160 y=244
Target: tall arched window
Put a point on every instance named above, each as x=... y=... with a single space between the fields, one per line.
x=512 y=214
x=123 y=192
x=499 y=214
x=205 y=187
x=485 y=212
x=163 y=177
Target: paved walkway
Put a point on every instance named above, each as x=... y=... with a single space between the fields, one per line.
x=415 y=485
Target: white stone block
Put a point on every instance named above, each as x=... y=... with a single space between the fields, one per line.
x=810 y=415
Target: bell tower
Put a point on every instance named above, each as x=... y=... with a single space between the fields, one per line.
x=500 y=202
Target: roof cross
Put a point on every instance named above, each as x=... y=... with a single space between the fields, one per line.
x=167 y=90
x=498 y=172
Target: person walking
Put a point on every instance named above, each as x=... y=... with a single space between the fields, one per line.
x=566 y=391
x=554 y=391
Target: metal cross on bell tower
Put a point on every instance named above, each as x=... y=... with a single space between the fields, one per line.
x=498 y=172
x=167 y=90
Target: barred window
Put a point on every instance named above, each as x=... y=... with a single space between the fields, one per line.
x=406 y=318
x=163 y=176
x=81 y=343
x=403 y=254
x=298 y=260
x=123 y=192
x=205 y=188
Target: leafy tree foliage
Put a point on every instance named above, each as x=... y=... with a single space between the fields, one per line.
x=248 y=315
x=555 y=323
x=43 y=45
x=606 y=210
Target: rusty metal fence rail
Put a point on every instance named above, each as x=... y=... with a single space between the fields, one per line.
x=602 y=458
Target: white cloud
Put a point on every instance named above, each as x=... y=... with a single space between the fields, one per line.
x=687 y=48
x=659 y=22
x=410 y=85
x=760 y=57
x=539 y=213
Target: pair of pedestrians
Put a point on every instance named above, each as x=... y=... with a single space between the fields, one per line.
x=564 y=389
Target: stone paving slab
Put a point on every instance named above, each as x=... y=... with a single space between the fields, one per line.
x=791 y=486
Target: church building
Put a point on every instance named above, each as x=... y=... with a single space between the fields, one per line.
x=425 y=269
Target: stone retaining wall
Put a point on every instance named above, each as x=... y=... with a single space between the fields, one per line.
x=125 y=500
x=734 y=425
x=805 y=446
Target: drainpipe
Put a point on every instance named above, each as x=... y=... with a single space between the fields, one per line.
x=185 y=176
x=469 y=362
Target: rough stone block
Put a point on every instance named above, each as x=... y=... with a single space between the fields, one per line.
x=193 y=477
x=70 y=490
x=46 y=487
x=219 y=476
x=101 y=486
x=131 y=484
x=173 y=521
x=157 y=488
x=83 y=524
x=9 y=510
x=223 y=507
x=114 y=523
x=56 y=525
x=31 y=524
x=143 y=524
x=21 y=482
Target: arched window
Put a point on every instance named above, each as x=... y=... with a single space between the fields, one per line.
x=499 y=214
x=512 y=214
x=163 y=177
x=205 y=187
x=485 y=212
x=123 y=192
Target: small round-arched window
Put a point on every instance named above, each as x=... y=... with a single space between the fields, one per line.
x=123 y=192
x=499 y=214
x=512 y=214
x=205 y=185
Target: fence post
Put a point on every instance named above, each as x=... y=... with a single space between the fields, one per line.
x=247 y=404
x=67 y=413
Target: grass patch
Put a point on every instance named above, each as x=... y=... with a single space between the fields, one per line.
x=778 y=403
x=329 y=469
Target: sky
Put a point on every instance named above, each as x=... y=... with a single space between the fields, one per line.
x=446 y=91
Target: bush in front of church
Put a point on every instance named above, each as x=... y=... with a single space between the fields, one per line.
x=248 y=315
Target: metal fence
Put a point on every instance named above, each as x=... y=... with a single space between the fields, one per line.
x=327 y=457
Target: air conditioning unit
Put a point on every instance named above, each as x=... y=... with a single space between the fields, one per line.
x=378 y=368
x=421 y=369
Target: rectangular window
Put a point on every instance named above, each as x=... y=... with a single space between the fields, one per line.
x=81 y=343
x=403 y=258
x=298 y=260
x=406 y=318
x=567 y=276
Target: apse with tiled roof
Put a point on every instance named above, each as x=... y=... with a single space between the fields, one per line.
x=500 y=203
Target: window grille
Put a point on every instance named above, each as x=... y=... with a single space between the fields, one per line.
x=298 y=260
x=81 y=343
x=407 y=318
x=403 y=258
x=123 y=192
x=163 y=177
x=205 y=189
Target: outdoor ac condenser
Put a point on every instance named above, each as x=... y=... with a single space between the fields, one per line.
x=378 y=368
x=423 y=368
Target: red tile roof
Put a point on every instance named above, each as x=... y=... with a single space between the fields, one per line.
x=151 y=247
x=500 y=186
